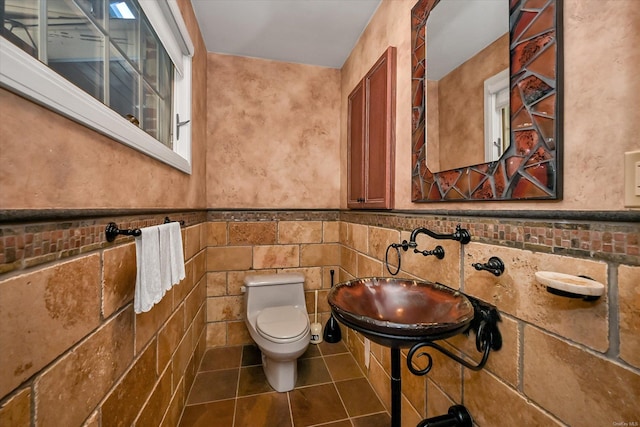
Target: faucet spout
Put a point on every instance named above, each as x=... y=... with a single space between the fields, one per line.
x=462 y=235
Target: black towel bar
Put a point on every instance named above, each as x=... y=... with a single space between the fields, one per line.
x=112 y=231
x=166 y=220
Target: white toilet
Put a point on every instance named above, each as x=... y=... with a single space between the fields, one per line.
x=277 y=319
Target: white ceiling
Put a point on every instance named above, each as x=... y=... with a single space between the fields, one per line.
x=314 y=32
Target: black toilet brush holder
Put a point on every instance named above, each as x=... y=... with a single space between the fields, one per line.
x=332 y=333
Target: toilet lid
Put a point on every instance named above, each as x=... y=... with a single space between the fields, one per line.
x=282 y=323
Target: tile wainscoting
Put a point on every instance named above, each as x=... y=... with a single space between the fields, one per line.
x=563 y=361
x=73 y=350
x=55 y=259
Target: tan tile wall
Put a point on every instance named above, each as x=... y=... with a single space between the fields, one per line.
x=563 y=362
x=85 y=341
x=252 y=245
x=74 y=352
x=629 y=316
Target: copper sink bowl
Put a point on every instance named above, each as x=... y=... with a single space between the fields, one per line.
x=400 y=312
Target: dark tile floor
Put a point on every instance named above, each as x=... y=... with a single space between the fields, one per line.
x=230 y=390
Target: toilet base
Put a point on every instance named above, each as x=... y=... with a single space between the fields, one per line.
x=281 y=374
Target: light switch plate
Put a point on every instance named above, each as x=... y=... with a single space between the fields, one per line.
x=632 y=179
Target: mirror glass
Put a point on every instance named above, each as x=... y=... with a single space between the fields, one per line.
x=471 y=138
x=468 y=60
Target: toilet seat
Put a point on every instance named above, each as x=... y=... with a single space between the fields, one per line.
x=282 y=324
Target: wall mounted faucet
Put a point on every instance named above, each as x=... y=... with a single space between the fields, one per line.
x=462 y=235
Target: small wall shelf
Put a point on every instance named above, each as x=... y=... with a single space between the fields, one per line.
x=568 y=285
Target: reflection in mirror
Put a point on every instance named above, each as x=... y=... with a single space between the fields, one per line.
x=530 y=164
x=467 y=44
x=496 y=116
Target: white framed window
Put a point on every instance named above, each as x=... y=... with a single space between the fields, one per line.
x=496 y=116
x=120 y=67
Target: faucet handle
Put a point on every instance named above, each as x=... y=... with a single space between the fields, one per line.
x=404 y=245
x=494 y=265
x=438 y=252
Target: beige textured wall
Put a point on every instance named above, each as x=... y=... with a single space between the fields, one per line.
x=51 y=162
x=600 y=106
x=272 y=134
x=389 y=26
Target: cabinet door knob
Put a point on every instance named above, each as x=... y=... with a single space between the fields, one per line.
x=361 y=199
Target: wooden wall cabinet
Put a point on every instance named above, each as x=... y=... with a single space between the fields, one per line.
x=371 y=137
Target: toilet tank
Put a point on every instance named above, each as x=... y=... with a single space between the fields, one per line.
x=273 y=290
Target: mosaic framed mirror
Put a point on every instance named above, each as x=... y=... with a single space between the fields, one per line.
x=528 y=165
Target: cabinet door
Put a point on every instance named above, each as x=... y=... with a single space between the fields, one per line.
x=371 y=137
x=380 y=95
x=356 y=147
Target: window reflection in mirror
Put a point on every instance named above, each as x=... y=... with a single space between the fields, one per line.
x=496 y=116
x=467 y=44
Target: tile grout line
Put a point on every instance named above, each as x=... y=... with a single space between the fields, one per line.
x=331 y=422
x=235 y=401
x=290 y=408
x=333 y=381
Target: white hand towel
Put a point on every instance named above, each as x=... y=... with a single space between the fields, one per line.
x=148 y=290
x=165 y=257
x=177 y=253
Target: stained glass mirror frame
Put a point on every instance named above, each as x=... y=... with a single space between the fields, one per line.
x=531 y=167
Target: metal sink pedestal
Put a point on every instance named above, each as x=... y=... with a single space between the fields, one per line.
x=358 y=304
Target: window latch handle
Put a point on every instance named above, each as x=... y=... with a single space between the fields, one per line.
x=179 y=124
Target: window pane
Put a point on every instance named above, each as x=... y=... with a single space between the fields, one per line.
x=149 y=55
x=158 y=75
x=95 y=9
x=124 y=27
x=20 y=24
x=156 y=120
x=165 y=89
x=165 y=118
x=150 y=111
x=165 y=86
x=123 y=86
x=75 y=48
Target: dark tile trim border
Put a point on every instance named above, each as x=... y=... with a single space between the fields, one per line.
x=606 y=240
x=32 y=237
x=26 y=243
x=610 y=216
x=30 y=215
x=27 y=215
x=274 y=215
